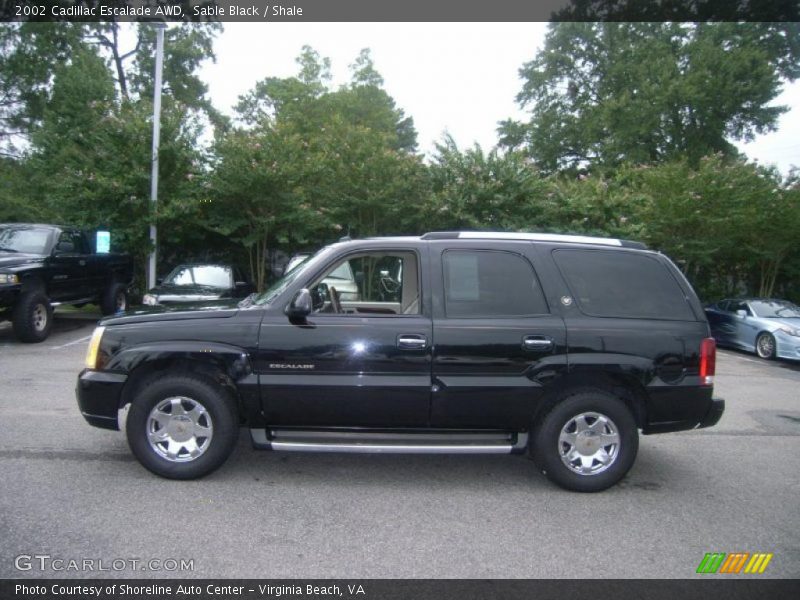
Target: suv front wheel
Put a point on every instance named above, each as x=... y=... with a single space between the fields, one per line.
x=587 y=442
x=181 y=426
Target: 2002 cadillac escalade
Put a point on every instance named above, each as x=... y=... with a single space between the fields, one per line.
x=564 y=347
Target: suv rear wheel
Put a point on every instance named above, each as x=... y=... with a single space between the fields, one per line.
x=587 y=442
x=181 y=427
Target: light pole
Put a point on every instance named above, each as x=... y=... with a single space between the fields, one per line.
x=151 y=271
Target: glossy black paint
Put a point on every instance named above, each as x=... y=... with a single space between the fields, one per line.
x=349 y=371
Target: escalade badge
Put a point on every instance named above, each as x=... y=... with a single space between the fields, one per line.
x=289 y=366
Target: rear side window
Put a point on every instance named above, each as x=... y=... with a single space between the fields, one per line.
x=483 y=283
x=622 y=284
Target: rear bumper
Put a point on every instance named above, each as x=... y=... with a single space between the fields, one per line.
x=714 y=413
x=683 y=409
x=98 y=394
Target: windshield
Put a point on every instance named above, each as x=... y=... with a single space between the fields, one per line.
x=780 y=309
x=277 y=288
x=27 y=240
x=207 y=275
x=296 y=261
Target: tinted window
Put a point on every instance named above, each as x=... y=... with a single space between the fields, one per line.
x=490 y=284
x=622 y=284
x=71 y=241
x=737 y=306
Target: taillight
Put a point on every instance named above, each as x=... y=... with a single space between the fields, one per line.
x=708 y=361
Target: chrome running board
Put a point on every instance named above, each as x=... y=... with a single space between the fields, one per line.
x=293 y=440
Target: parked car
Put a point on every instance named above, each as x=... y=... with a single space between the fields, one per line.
x=560 y=346
x=44 y=266
x=199 y=283
x=767 y=326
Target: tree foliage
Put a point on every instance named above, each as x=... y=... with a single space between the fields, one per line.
x=609 y=93
x=311 y=163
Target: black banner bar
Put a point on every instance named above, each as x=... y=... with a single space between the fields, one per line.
x=400 y=11
x=733 y=588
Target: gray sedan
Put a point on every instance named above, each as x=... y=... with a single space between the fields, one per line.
x=766 y=326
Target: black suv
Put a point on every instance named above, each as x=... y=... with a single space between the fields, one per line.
x=459 y=342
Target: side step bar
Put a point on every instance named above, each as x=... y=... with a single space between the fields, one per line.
x=293 y=440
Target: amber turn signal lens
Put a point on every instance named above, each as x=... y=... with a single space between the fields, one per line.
x=94 y=346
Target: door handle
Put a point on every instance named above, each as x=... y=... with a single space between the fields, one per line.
x=411 y=341
x=537 y=342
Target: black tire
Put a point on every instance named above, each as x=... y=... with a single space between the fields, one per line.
x=766 y=346
x=114 y=299
x=220 y=417
x=32 y=318
x=547 y=446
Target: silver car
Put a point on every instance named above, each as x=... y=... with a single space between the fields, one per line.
x=766 y=326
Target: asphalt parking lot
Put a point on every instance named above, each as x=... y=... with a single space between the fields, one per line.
x=73 y=492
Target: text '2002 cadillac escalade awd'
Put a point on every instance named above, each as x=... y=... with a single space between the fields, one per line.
x=461 y=342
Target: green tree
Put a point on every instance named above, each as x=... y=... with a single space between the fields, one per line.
x=310 y=163
x=731 y=225
x=91 y=158
x=495 y=191
x=29 y=52
x=608 y=93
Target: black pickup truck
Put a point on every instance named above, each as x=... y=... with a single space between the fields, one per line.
x=43 y=266
x=560 y=346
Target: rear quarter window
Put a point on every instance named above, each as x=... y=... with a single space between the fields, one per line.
x=622 y=284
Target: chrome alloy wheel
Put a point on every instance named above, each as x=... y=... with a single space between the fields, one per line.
x=179 y=429
x=765 y=345
x=39 y=317
x=589 y=443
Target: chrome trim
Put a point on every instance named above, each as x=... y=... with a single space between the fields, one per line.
x=392 y=448
x=389 y=443
x=413 y=439
x=537 y=343
x=537 y=237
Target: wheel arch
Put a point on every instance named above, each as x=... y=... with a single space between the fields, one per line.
x=218 y=364
x=623 y=386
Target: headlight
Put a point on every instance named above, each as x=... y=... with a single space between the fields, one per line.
x=9 y=278
x=149 y=300
x=94 y=346
x=789 y=330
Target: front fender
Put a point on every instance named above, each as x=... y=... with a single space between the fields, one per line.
x=232 y=360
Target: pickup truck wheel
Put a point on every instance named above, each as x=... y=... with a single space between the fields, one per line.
x=114 y=300
x=181 y=427
x=587 y=442
x=32 y=317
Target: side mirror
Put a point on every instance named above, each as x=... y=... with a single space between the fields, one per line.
x=300 y=306
x=741 y=313
x=159 y=280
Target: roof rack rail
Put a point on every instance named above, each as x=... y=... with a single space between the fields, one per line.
x=533 y=237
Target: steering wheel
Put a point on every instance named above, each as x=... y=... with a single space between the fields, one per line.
x=389 y=285
x=335 y=303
